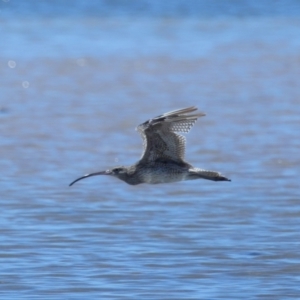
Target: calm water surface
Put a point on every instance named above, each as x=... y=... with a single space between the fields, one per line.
x=76 y=81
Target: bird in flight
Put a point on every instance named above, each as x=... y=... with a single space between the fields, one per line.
x=163 y=158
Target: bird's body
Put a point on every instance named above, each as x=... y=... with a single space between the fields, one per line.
x=155 y=172
x=163 y=157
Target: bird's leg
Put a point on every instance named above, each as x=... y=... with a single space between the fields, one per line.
x=210 y=175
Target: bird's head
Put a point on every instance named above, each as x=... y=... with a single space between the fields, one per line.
x=119 y=172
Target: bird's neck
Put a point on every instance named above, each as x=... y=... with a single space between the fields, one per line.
x=131 y=176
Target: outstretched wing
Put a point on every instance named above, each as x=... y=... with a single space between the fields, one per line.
x=160 y=137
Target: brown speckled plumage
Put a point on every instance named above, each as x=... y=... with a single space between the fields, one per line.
x=163 y=157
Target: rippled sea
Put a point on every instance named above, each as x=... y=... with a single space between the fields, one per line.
x=76 y=79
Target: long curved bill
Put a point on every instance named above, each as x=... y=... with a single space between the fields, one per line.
x=107 y=172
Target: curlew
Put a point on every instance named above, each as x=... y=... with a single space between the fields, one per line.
x=162 y=160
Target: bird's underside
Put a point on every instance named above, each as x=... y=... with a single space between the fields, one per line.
x=163 y=156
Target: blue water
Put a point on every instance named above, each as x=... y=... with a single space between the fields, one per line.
x=77 y=78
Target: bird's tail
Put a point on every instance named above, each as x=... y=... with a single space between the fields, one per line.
x=205 y=174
